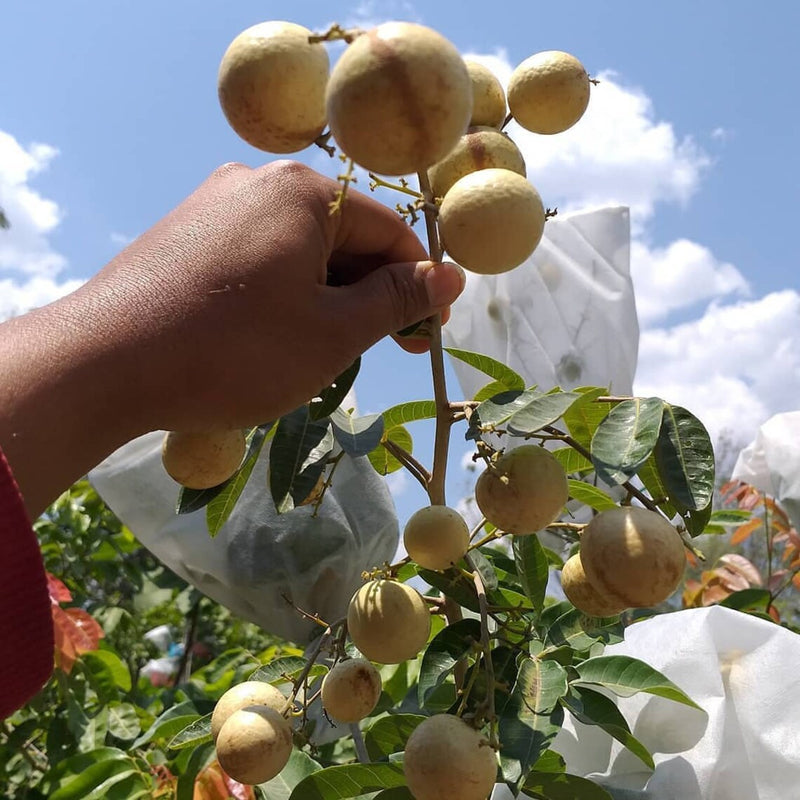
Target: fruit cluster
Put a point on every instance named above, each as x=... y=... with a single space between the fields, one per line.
x=401 y=100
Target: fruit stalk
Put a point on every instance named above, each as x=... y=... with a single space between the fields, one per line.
x=436 y=486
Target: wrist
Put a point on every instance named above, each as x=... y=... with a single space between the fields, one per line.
x=65 y=401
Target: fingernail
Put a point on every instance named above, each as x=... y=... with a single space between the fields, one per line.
x=444 y=283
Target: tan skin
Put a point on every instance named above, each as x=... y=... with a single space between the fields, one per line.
x=238 y=306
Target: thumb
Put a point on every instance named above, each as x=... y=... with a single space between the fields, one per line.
x=395 y=296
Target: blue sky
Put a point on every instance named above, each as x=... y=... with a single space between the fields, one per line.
x=109 y=117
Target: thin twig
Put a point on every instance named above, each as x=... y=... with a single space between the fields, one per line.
x=436 y=486
x=409 y=462
x=358 y=741
x=487 y=648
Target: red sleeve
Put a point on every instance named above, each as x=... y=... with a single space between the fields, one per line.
x=26 y=622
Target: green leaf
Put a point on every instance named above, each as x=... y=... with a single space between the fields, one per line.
x=196 y=733
x=381 y=459
x=485 y=569
x=297 y=769
x=454 y=584
x=88 y=776
x=500 y=408
x=198 y=760
x=297 y=457
x=730 y=516
x=550 y=761
x=221 y=506
x=446 y=649
x=685 y=459
x=398 y=793
x=357 y=436
x=332 y=397
x=489 y=366
x=540 y=412
x=625 y=676
x=585 y=414
x=650 y=478
x=562 y=786
x=349 y=780
x=409 y=412
x=123 y=721
x=696 y=521
x=592 y=496
x=592 y=708
x=172 y=721
x=389 y=734
x=624 y=440
x=576 y=630
x=279 y=670
x=571 y=460
x=490 y=390
x=107 y=674
x=748 y=600
x=532 y=569
x=532 y=716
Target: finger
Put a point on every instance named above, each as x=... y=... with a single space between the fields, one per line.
x=396 y=295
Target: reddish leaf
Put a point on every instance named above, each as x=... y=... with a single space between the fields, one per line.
x=731 y=580
x=774 y=613
x=75 y=632
x=57 y=590
x=714 y=594
x=743 y=531
x=691 y=593
x=743 y=567
x=776 y=579
x=796 y=580
x=213 y=784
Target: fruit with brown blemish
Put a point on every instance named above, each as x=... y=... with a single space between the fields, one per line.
x=351 y=690
x=202 y=459
x=388 y=621
x=271 y=86
x=479 y=148
x=399 y=98
x=633 y=554
x=523 y=490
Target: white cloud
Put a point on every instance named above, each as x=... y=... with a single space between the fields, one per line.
x=29 y=266
x=121 y=239
x=397 y=482
x=680 y=275
x=733 y=367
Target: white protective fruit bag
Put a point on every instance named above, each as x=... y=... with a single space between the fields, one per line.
x=566 y=317
x=259 y=556
x=771 y=462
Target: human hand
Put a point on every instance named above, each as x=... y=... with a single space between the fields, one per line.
x=221 y=315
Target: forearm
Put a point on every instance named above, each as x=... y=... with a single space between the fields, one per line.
x=63 y=401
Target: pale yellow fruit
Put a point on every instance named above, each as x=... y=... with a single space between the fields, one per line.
x=399 y=98
x=479 y=148
x=351 y=690
x=524 y=491
x=446 y=759
x=388 y=621
x=488 y=97
x=583 y=595
x=633 y=554
x=491 y=221
x=202 y=459
x=254 y=744
x=436 y=537
x=548 y=92
x=271 y=86
x=247 y=693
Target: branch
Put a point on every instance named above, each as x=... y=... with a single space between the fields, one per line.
x=409 y=462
